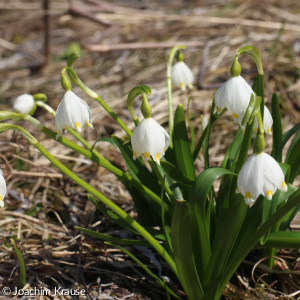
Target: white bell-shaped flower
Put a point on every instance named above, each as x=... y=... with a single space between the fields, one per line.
x=150 y=139
x=260 y=175
x=182 y=75
x=268 y=121
x=24 y=104
x=235 y=95
x=72 y=112
x=2 y=189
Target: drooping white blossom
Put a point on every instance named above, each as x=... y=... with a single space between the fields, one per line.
x=182 y=75
x=150 y=139
x=2 y=189
x=260 y=175
x=267 y=122
x=24 y=104
x=235 y=95
x=72 y=112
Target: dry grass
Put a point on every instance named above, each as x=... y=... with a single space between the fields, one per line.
x=55 y=253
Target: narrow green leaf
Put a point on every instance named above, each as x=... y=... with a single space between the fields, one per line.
x=147 y=270
x=283 y=239
x=175 y=173
x=293 y=158
x=113 y=239
x=200 y=226
x=277 y=129
x=287 y=135
x=182 y=149
x=247 y=242
x=183 y=251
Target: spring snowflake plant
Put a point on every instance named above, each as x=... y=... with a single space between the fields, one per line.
x=203 y=234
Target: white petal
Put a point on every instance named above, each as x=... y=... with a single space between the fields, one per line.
x=268 y=120
x=149 y=138
x=235 y=95
x=24 y=104
x=182 y=75
x=72 y=112
x=2 y=189
x=250 y=179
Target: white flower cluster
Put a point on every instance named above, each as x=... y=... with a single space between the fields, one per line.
x=235 y=95
x=261 y=174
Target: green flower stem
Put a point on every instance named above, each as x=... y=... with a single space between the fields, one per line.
x=169 y=87
x=48 y=108
x=22 y=267
x=91 y=153
x=255 y=54
x=95 y=96
x=134 y=92
x=259 y=143
x=115 y=208
x=99 y=159
x=162 y=181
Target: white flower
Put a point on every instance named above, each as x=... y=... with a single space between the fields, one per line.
x=72 y=112
x=24 y=104
x=182 y=75
x=149 y=138
x=260 y=175
x=268 y=121
x=234 y=95
x=2 y=189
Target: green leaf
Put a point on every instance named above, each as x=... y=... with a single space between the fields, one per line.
x=283 y=239
x=200 y=227
x=106 y=237
x=248 y=241
x=293 y=158
x=175 y=174
x=277 y=129
x=183 y=251
x=149 y=212
x=147 y=270
x=184 y=159
x=287 y=135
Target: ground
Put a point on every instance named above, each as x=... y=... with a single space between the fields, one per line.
x=124 y=44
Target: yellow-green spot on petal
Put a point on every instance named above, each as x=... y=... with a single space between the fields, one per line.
x=283 y=184
x=269 y=130
x=181 y=85
x=1 y=199
x=134 y=154
x=66 y=127
x=248 y=195
x=255 y=129
x=269 y=194
x=89 y=125
x=59 y=132
x=164 y=150
x=157 y=155
x=146 y=154
x=235 y=116
x=77 y=125
x=219 y=109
